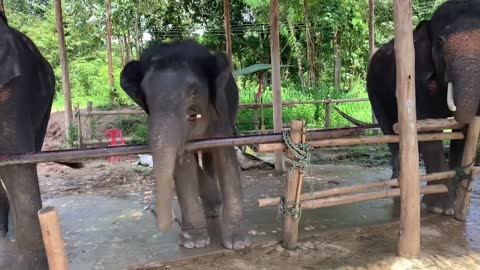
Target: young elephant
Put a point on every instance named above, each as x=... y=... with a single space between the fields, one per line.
x=188 y=94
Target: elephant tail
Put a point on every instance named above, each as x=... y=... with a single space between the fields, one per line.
x=355 y=121
x=73 y=165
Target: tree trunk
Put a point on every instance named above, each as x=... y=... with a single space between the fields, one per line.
x=137 y=34
x=277 y=94
x=228 y=34
x=310 y=46
x=122 y=52
x=371 y=27
x=128 y=55
x=65 y=75
x=297 y=51
x=2 y=6
x=111 y=82
x=338 y=60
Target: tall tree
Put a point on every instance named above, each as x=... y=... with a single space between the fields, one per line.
x=109 y=51
x=228 y=33
x=65 y=73
x=310 y=45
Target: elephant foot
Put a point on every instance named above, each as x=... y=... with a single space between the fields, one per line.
x=439 y=204
x=235 y=237
x=194 y=238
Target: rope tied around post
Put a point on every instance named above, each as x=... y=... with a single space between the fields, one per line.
x=290 y=209
x=301 y=151
x=460 y=175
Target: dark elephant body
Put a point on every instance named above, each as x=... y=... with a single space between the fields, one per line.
x=27 y=86
x=188 y=94
x=439 y=63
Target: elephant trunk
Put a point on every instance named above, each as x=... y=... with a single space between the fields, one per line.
x=466 y=95
x=166 y=139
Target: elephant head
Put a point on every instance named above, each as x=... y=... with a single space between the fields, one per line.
x=179 y=86
x=456 y=53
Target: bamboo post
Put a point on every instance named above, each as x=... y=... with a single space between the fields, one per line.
x=52 y=238
x=79 y=126
x=293 y=189
x=90 y=130
x=409 y=235
x=468 y=161
x=276 y=88
x=328 y=114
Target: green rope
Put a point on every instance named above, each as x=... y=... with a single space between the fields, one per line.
x=290 y=211
x=301 y=151
x=460 y=175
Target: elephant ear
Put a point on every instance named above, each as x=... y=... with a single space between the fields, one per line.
x=9 y=59
x=223 y=73
x=131 y=81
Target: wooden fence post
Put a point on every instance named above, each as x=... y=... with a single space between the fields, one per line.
x=89 y=124
x=409 y=234
x=79 y=126
x=468 y=161
x=52 y=238
x=256 y=121
x=293 y=189
x=328 y=113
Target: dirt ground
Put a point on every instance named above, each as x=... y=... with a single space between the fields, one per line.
x=445 y=244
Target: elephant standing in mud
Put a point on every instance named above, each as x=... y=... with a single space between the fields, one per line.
x=189 y=94
x=447 y=64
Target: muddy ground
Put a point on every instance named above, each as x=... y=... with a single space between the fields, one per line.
x=445 y=244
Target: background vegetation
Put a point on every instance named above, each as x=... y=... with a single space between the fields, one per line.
x=317 y=37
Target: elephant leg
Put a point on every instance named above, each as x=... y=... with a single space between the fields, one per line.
x=194 y=225
x=21 y=182
x=4 y=209
x=234 y=233
x=435 y=161
x=395 y=163
x=208 y=185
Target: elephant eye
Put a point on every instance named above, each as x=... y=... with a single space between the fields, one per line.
x=441 y=42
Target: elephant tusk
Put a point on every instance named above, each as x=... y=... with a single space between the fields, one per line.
x=450 y=101
x=200 y=159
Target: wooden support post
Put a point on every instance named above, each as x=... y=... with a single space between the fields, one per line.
x=52 y=238
x=409 y=239
x=90 y=130
x=468 y=161
x=79 y=126
x=65 y=74
x=328 y=114
x=256 y=122
x=293 y=189
x=277 y=94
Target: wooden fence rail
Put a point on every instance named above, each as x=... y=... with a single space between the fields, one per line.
x=258 y=110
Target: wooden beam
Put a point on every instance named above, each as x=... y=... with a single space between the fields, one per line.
x=362 y=187
x=468 y=161
x=369 y=196
x=65 y=74
x=409 y=235
x=433 y=125
x=271 y=147
x=277 y=93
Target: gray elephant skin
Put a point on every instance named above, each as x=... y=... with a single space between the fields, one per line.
x=447 y=63
x=27 y=86
x=190 y=94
